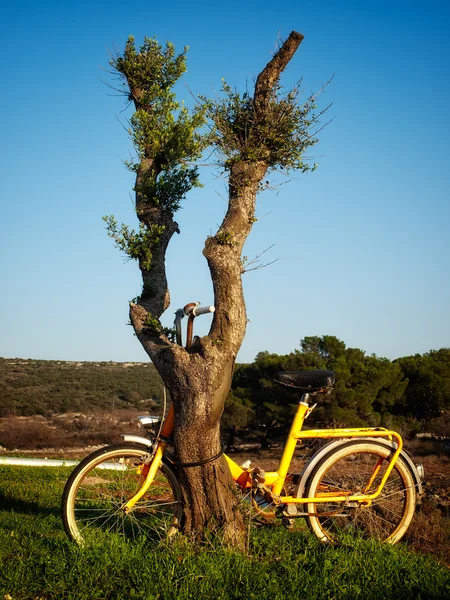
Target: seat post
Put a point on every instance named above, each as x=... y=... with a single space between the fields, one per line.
x=291 y=442
x=305 y=399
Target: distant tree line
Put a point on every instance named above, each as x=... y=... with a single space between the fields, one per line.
x=411 y=393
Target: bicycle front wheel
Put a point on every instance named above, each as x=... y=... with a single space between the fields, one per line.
x=99 y=487
x=355 y=469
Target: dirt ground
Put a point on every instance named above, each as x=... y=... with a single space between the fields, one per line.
x=437 y=480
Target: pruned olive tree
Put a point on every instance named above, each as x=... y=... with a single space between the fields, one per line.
x=252 y=135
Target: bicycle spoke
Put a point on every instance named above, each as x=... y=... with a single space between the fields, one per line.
x=354 y=467
x=97 y=503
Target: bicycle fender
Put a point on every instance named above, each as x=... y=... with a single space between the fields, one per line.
x=168 y=458
x=137 y=439
x=332 y=446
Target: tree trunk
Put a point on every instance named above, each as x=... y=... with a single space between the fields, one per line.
x=208 y=490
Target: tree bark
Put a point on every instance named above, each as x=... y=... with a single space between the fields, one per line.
x=268 y=78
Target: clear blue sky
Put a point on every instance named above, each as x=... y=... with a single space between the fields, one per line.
x=363 y=243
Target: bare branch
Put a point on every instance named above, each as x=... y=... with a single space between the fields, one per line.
x=260 y=266
x=269 y=76
x=256 y=259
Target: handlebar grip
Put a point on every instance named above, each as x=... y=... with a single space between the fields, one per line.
x=202 y=310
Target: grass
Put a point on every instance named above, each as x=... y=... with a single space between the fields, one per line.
x=38 y=562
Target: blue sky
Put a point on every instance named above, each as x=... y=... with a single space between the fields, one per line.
x=362 y=243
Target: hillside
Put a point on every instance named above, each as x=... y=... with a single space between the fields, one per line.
x=29 y=387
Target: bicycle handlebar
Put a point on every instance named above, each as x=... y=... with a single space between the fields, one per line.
x=202 y=310
x=191 y=310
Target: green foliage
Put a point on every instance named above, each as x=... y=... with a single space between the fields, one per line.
x=135 y=244
x=269 y=406
x=171 y=141
x=428 y=391
x=369 y=391
x=39 y=562
x=166 y=138
x=159 y=128
x=170 y=333
x=238 y=414
x=366 y=387
x=279 y=138
x=154 y=328
x=153 y=325
x=169 y=188
x=225 y=238
x=152 y=71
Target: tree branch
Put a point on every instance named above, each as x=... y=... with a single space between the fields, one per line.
x=269 y=76
x=255 y=261
x=224 y=250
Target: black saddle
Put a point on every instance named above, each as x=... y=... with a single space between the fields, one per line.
x=309 y=381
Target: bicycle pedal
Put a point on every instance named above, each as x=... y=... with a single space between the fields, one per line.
x=289 y=511
x=287 y=523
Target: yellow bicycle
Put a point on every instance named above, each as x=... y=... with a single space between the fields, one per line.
x=361 y=483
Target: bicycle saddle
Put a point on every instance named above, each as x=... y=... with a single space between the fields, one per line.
x=310 y=381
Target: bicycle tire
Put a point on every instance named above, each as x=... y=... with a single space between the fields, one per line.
x=101 y=484
x=349 y=468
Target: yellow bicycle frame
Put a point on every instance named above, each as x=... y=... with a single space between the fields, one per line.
x=275 y=480
x=166 y=432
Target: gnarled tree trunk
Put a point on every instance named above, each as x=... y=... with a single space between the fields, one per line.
x=199 y=378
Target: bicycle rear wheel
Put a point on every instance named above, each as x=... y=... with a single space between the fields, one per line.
x=99 y=487
x=349 y=470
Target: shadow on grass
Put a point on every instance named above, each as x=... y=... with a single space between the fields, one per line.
x=26 y=507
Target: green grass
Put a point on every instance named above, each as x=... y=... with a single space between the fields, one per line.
x=37 y=561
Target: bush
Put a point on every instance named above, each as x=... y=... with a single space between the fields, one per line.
x=71 y=430
x=21 y=433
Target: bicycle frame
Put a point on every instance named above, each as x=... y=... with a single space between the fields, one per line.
x=275 y=480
